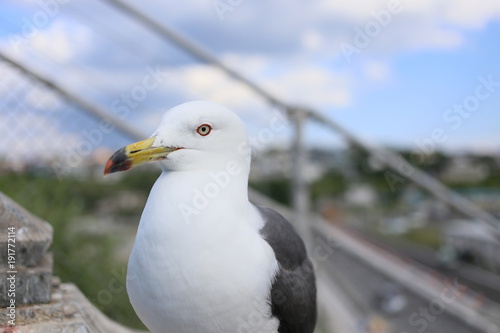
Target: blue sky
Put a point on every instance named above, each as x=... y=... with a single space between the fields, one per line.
x=421 y=59
x=423 y=85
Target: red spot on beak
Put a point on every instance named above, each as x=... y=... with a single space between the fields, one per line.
x=118 y=162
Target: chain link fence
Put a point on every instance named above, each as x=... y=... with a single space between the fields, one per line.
x=51 y=160
x=40 y=128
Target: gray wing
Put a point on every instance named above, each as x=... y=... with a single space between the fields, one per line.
x=293 y=294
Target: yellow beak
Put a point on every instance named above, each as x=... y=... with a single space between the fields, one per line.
x=135 y=154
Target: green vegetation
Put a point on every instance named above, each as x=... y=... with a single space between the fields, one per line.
x=278 y=188
x=429 y=236
x=84 y=258
x=331 y=184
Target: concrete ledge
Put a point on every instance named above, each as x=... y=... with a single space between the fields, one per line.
x=42 y=303
x=32 y=283
x=33 y=235
x=68 y=312
x=24 y=260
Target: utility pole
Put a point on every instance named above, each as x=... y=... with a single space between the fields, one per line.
x=300 y=187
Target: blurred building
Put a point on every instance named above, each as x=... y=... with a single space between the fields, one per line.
x=473 y=242
x=465 y=169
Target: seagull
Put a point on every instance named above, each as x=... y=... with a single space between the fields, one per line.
x=205 y=259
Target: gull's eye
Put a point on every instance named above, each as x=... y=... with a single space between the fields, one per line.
x=204 y=129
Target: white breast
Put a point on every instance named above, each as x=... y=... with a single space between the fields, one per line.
x=210 y=273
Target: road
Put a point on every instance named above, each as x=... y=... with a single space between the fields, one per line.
x=485 y=283
x=361 y=282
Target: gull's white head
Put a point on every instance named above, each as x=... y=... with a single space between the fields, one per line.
x=192 y=136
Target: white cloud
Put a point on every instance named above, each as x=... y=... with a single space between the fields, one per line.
x=252 y=65
x=312 y=40
x=308 y=85
x=287 y=29
x=304 y=33
x=376 y=71
x=463 y=13
x=52 y=52
x=206 y=82
x=471 y=14
x=62 y=41
x=417 y=24
x=311 y=85
x=352 y=10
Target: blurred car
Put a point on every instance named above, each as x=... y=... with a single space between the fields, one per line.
x=448 y=257
x=390 y=299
